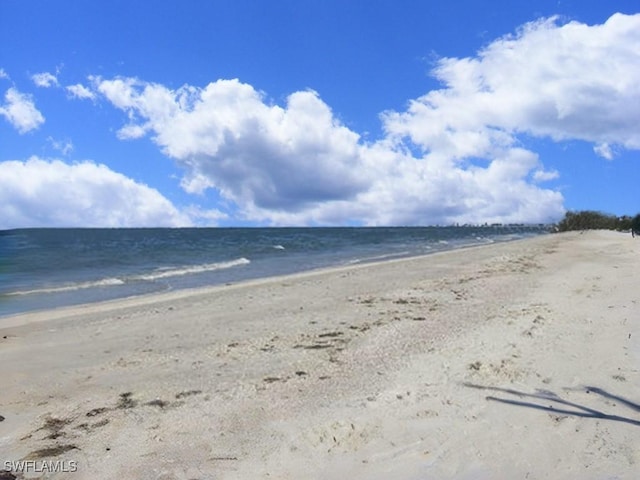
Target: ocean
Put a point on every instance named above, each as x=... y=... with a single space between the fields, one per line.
x=48 y=268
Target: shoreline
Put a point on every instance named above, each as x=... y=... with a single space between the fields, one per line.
x=39 y=315
x=507 y=360
x=114 y=286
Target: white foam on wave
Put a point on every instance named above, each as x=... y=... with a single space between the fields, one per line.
x=106 y=282
x=278 y=247
x=376 y=258
x=159 y=274
x=177 y=272
x=484 y=239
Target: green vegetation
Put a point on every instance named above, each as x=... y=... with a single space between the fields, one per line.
x=591 y=220
x=635 y=225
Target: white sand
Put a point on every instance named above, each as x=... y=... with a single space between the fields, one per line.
x=516 y=360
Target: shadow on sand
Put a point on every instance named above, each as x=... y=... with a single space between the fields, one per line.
x=550 y=402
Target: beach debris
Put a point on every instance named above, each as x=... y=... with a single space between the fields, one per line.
x=157 y=403
x=325 y=340
x=361 y=328
x=126 y=401
x=187 y=393
x=55 y=426
x=101 y=423
x=330 y=334
x=475 y=365
x=53 y=451
x=272 y=379
x=96 y=411
x=365 y=301
x=315 y=346
x=88 y=428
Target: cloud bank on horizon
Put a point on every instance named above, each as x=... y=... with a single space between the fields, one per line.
x=455 y=155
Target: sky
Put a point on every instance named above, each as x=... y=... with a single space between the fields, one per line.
x=171 y=113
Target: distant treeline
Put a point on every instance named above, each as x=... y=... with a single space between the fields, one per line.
x=591 y=220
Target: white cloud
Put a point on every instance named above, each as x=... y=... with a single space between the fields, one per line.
x=604 y=150
x=4 y=75
x=45 y=80
x=63 y=146
x=51 y=193
x=564 y=82
x=297 y=164
x=131 y=132
x=20 y=111
x=227 y=137
x=80 y=91
x=545 y=175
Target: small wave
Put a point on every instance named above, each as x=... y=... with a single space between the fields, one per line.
x=278 y=247
x=106 y=282
x=177 y=272
x=111 y=282
x=483 y=239
x=377 y=258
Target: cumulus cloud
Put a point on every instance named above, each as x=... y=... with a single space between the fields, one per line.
x=226 y=136
x=297 y=164
x=454 y=155
x=20 y=111
x=81 y=92
x=44 y=80
x=4 y=75
x=51 y=193
x=570 y=81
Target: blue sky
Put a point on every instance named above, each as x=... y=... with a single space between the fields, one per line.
x=318 y=112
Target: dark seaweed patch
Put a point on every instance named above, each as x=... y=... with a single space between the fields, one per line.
x=126 y=401
x=188 y=393
x=51 y=451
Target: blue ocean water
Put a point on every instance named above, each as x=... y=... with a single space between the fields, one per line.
x=45 y=268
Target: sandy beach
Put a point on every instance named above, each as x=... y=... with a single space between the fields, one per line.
x=511 y=360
